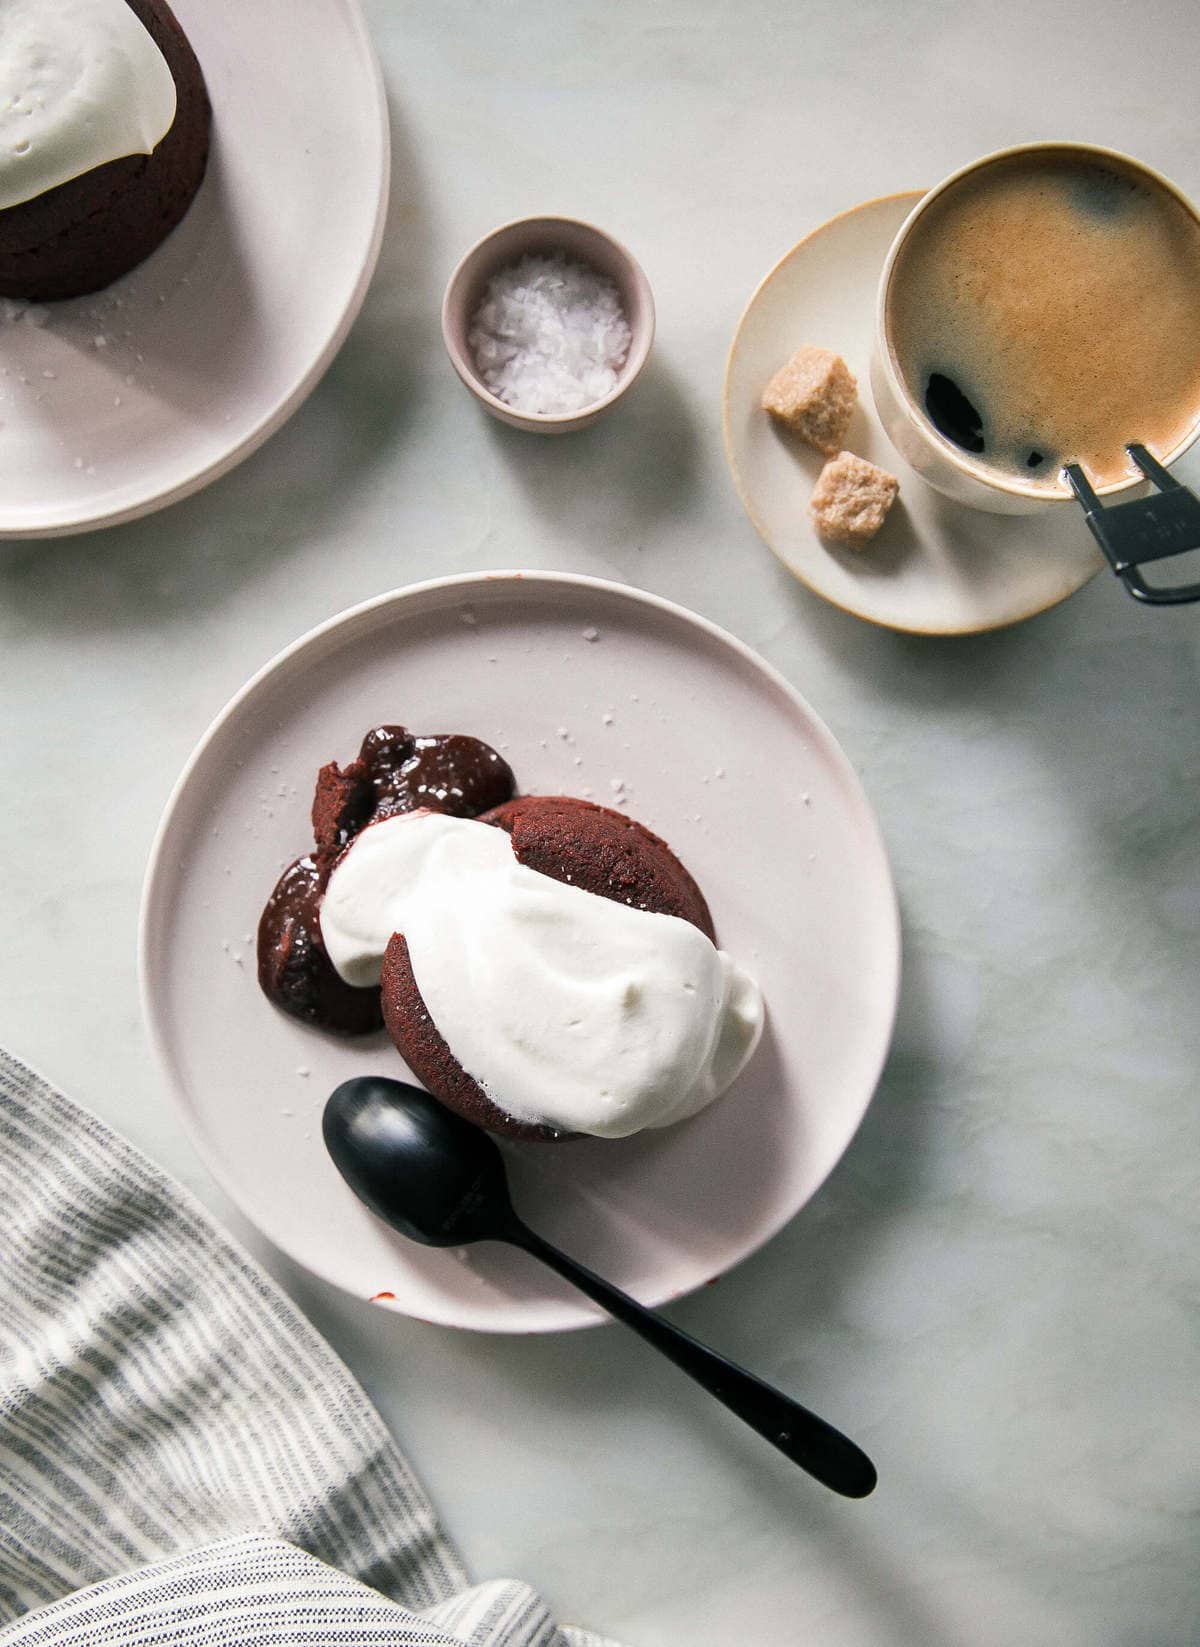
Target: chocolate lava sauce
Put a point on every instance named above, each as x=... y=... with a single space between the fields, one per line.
x=395 y=772
x=294 y=970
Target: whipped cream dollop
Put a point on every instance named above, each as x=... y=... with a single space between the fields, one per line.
x=81 y=83
x=566 y=1008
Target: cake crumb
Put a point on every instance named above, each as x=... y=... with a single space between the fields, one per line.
x=814 y=396
x=591 y=634
x=851 y=499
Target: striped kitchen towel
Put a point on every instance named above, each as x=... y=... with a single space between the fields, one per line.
x=182 y=1458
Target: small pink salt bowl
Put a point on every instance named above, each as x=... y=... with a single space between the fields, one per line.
x=544 y=237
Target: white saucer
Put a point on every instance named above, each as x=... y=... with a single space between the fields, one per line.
x=215 y=340
x=584 y=686
x=936 y=568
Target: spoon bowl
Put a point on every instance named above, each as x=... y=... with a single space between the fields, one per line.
x=418 y=1166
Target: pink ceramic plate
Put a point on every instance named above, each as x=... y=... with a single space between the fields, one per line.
x=114 y=405
x=589 y=689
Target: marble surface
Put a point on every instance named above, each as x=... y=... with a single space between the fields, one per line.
x=996 y=1291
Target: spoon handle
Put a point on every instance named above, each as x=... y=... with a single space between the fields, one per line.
x=799 y=1434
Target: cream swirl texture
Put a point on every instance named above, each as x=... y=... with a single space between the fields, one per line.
x=81 y=83
x=566 y=1008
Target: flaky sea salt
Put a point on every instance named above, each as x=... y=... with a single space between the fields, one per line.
x=549 y=336
x=13 y=309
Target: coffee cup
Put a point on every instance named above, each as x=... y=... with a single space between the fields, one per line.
x=1040 y=307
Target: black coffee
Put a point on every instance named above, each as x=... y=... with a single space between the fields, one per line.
x=1046 y=309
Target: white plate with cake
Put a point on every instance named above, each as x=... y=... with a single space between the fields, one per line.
x=935 y=567
x=115 y=403
x=591 y=691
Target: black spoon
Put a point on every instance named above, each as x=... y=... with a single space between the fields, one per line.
x=439 y=1180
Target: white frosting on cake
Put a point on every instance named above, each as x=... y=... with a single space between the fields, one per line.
x=566 y=1008
x=81 y=83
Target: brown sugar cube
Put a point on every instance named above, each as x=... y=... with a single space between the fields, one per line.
x=851 y=499
x=814 y=396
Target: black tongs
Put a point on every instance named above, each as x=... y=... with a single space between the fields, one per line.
x=1130 y=534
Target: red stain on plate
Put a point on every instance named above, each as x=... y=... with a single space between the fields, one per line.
x=379 y=1297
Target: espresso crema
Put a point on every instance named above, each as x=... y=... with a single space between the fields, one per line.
x=1045 y=310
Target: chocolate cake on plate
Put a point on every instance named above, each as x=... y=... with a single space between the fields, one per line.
x=545 y=966
x=58 y=60
x=570 y=840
